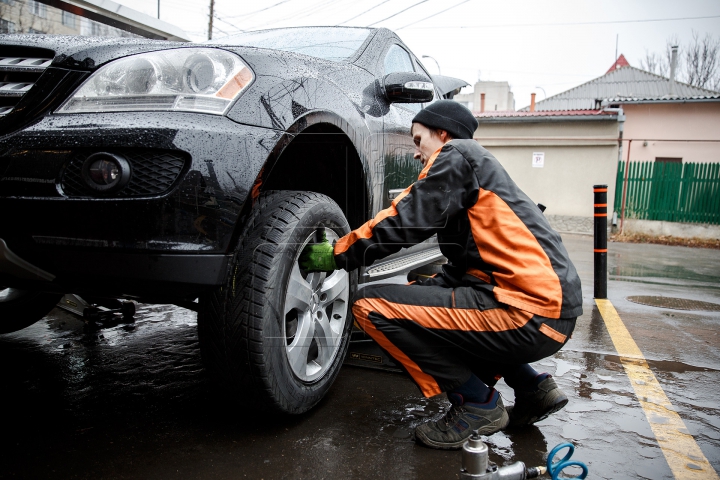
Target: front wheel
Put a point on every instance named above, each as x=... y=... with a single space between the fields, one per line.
x=275 y=333
x=22 y=308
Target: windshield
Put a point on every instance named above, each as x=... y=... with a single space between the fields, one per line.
x=329 y=43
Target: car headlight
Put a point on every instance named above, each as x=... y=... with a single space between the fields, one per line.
x=203 y=80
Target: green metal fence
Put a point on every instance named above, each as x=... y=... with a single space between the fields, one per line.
x=673 y=192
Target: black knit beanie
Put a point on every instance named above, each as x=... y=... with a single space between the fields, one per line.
x=450 y=116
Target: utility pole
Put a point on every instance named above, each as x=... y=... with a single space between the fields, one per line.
x=158 y=9
x=212 y=14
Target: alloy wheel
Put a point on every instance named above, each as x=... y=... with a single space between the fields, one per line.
x=316 y=308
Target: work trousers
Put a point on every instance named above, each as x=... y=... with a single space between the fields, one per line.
x=441 y=336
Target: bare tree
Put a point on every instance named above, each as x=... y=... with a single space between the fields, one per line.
x=698 y=62
x=654 y=63
x=701 y=61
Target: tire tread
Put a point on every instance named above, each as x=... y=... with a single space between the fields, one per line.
x=231 y=318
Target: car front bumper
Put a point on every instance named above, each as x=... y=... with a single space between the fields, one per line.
x=173 y=242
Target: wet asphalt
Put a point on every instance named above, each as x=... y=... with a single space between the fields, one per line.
x=132 y=401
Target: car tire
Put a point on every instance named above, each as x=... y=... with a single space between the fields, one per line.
x=274 y=334
x=21 y=308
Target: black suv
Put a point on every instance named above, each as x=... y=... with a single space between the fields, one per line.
x=194 y=174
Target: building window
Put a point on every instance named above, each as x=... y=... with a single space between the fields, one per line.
x=7 y=26
x=38 y=9
x=96 y=29
x=668 y=159
x=9 y=2
x=68 y=19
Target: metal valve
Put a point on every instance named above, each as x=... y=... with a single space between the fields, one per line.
x=477 y=466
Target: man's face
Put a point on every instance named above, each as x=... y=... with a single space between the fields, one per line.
x=426 y=141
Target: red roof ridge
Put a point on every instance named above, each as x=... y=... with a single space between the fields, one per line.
x=619 y=63
x=541 y=113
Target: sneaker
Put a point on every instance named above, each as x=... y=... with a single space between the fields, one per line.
x=531 y=407
x=451 y=431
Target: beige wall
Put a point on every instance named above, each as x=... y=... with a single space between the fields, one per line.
x=578 y=155
x=23 y=18
x=647 y=123
x=20 y=13
x=498 y=97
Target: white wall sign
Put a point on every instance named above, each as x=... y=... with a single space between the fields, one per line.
x=538 y=159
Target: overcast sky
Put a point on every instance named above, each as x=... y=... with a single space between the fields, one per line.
x=554 y=45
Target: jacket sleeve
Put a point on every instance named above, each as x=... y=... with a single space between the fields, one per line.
x=446 y=186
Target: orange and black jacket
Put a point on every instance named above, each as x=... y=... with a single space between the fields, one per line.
x=490 y=231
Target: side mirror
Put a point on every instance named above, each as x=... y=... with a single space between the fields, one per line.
x=408 y=87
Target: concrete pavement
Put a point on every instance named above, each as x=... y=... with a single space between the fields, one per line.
x=133 y=402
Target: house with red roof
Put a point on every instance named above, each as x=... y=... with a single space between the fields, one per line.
x=582 y=134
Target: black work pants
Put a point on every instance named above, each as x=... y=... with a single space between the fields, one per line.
x=440 y=335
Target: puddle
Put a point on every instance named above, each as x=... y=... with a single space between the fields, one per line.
x=592 y=406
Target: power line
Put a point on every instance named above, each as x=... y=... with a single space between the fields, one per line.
x=319 y=7
x=282 y=19
x=228 y=23
x=261 y=10
x=216 y=29
x=183 y=6
x=398 y=13
x=363 y=13
x=310 y=11
x=433 y=15
x=570 y=23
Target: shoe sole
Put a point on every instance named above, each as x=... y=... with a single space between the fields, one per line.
x=556 y=407
x=420 y=436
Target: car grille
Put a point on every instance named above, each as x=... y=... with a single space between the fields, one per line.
x=153 y=173
x=17 y=76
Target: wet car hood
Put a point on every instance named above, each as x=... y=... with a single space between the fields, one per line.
x=87 y=53
x=277 y=73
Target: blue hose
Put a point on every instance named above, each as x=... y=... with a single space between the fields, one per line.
x=554 y=469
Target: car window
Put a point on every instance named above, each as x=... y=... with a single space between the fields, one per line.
x=398 y=60
x=420 y=67
x=329 y=43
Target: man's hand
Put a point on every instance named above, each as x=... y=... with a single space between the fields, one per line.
x=318 y=257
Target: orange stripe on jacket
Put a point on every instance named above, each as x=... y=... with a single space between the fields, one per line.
x=522 y=271
x=366 y=230
x=428 y=385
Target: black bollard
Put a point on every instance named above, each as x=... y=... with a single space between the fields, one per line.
x=600 y=237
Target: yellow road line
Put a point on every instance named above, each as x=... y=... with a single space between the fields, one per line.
x=682 y=453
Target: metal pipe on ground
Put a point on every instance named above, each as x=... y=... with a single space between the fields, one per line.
x=600 y=240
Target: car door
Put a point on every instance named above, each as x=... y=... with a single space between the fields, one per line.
x=397 y=168
x=401 y=169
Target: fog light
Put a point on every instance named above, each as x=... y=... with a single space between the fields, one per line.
x=106 y=172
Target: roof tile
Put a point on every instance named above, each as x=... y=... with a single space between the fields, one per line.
x=622 y=83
